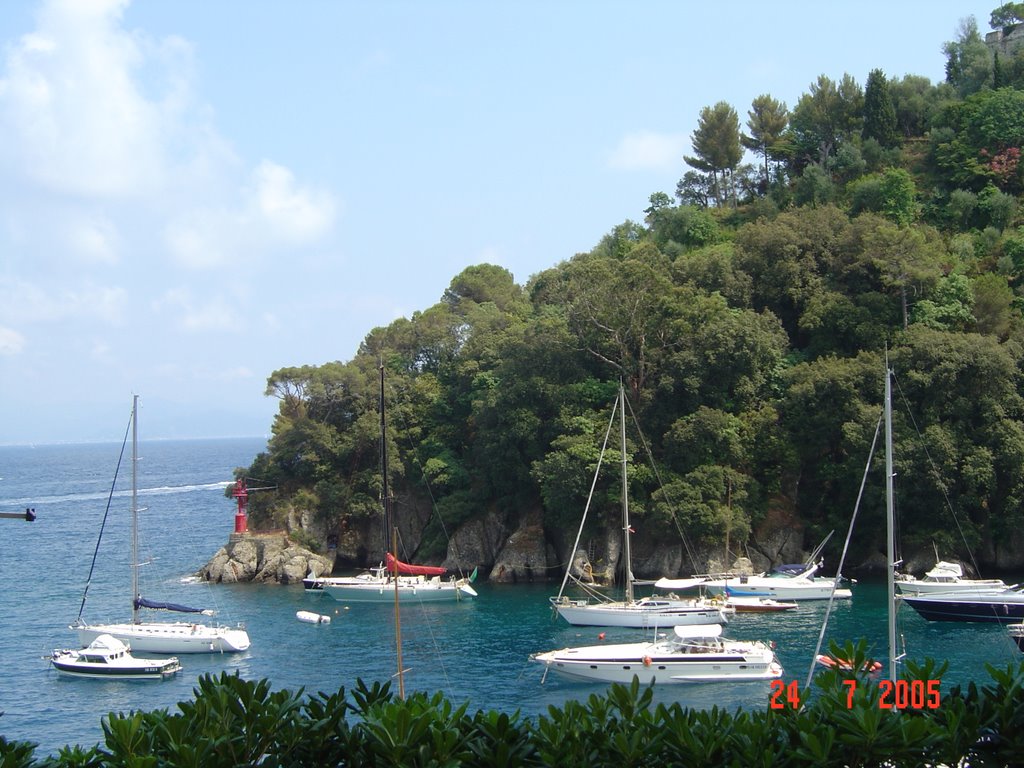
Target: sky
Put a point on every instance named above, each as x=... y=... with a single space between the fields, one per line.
x=194 y=194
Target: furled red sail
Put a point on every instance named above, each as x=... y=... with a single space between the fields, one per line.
x=405 y=569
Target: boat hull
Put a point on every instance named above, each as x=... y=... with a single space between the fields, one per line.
x=995 y=609
x=777 y=589
x=410 y=589
x=177 y=637
x=640 y=615
x=105 y=672
x=961 y=588
x=744 y=662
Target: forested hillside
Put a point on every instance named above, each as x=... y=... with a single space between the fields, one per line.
x=748 y=315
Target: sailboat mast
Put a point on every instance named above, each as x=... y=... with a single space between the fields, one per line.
x=890 y=516
x=135 y=509
x=385 y=492
x=625 y=497
x=390 y=533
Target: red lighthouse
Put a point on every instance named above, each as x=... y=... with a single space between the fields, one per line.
x=242 y=494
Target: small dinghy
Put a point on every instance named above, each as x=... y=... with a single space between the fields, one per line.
x=108 y=658
x=312 y=618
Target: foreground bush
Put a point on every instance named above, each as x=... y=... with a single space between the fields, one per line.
x=845 y=721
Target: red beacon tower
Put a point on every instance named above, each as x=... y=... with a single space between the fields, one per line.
x=241 y=517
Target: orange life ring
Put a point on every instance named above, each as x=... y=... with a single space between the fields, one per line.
x=647 y=661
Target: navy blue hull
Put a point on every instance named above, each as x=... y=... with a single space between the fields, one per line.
x=967 y=610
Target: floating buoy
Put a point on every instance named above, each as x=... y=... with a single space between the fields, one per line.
x=600 y=636
x=647 y=661
x=312 y=618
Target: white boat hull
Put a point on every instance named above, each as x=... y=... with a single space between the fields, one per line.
x=642 y=614
x=367 y=588
x=177 y=637
x=72 y=667
x=660 y=662
x=777 y=588
x=982 y=587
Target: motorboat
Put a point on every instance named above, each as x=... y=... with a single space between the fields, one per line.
x=946 y=577
x=758 y=604
x=108 y=658
x=784 y=585
x=691 y=654
x=1004 y=607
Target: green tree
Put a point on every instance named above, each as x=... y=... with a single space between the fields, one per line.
x=899 y=196
x=767 y=120
x=1007 y=16
x=968 y=61
x=879 y=110
x=906 y=258
x=716 y=146
x=823 y=117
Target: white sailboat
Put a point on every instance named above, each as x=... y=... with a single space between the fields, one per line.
x=631 y=612
x=154 y=636
x=392 y=579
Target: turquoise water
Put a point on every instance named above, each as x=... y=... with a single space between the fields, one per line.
x=475 y=651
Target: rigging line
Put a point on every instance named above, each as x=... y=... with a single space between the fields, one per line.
x=846 y=546
x=430 y=492
x=657 y=475
x=590 y=497
x=938 y=477
x=106 y=513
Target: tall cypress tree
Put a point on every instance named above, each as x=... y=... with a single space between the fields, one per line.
x=879 y=111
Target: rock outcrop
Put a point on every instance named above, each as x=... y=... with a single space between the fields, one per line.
x=523 y=555
x=263 y=557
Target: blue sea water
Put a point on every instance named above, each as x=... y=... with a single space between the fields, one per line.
x=473 y=651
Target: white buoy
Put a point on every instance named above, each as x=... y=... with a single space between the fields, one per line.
x=312 y=618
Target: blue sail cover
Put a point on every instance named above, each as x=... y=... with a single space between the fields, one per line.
x=141 y=602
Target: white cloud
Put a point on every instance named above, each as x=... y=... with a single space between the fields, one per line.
x=293 y=213
x=75 y=120
x=99 y=118
x=195 y=316
x=647 y=150
x=35 y=303
x=11 y=342
x=95 y=239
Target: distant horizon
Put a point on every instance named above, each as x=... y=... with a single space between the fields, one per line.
x=141 y=441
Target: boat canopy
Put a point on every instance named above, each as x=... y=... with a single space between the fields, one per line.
x=672 y=584
x=141 y=602
x=406 y=569
x=692 y=631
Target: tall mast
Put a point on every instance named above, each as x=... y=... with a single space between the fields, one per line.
x=135 y=509
x=890 y=516
x=625 y=497
x=385 y=492
x=390 y=533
